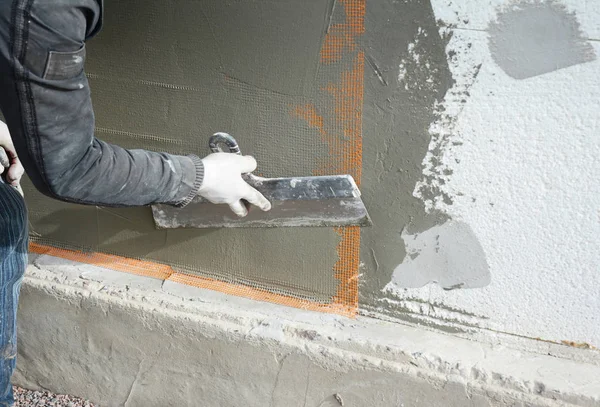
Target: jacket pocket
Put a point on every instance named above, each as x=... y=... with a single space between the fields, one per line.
x=64 y=65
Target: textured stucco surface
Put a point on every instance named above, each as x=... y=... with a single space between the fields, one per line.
x=123 y=340
x=513 y=155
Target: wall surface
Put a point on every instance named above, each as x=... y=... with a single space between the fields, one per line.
x=125 y=340
x=501 y=233
x=167 y=78
x=479 y=150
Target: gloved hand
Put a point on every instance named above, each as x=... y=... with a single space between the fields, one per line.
x=11 y=169
x=223 y=183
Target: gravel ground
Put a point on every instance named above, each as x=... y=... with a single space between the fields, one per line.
x=30 y=398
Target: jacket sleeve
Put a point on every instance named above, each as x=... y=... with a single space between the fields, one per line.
x=45 y=98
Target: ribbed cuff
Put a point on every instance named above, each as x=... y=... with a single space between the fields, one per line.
x=192 y=184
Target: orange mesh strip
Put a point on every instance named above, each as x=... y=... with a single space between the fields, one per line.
x=345 y=157
x=261 y=295
x=342 y=37
x=139 y=267
x=348 y=108
x=164 y=272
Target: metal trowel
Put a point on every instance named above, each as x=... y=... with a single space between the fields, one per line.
x=331 y=200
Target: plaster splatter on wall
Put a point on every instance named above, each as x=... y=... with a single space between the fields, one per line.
x=423 y=72
x=464 y=65
x=524 y=39
x=533 y=38
x=398 y=110
x=511 y=158
x=449 y=255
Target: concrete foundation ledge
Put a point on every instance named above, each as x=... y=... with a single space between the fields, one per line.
x=123 y=340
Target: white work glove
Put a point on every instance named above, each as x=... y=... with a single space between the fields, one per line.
x=11 y=169
x=223 y=183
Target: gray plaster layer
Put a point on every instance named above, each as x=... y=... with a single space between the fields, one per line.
x=396 y=119
x=449 y=255
x=165 y=79
x=256 y=42
x=296 y=262
x=131 y=343
x=532 y=38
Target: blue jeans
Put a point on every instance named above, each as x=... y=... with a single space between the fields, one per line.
x=13 y=259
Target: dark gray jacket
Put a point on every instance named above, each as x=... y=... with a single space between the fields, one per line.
x=45 y=99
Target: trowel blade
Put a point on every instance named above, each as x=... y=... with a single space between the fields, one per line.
x=301 y=201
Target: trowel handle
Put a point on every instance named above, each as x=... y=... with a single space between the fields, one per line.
x=223 y=143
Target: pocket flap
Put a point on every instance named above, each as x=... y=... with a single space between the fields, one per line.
x=64 y=65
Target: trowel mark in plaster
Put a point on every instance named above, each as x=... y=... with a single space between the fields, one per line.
x=533 y=38
x=449 y=255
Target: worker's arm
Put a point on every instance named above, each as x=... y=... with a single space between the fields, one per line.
x=45 y=97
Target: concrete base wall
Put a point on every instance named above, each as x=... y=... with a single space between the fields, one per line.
x=123 y=340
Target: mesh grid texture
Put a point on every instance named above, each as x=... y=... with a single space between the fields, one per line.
x=311 y=126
